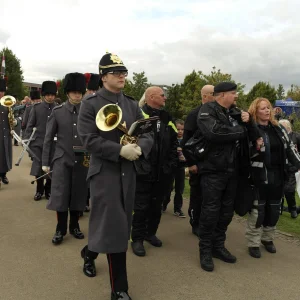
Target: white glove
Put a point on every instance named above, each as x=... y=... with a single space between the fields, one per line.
x=46 y=169
x=15 y=122
x=131 y=151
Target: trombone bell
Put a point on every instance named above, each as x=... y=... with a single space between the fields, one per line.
x=8 y=101
x=109 y=117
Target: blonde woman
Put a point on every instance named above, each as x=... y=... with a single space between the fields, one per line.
x=269 y=164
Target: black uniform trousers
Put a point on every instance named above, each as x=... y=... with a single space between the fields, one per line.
x=178 y=177
x=117 y=270
x=218 y=192
x=195 y=200
x=41 y=188
x=62 y=221
x=289 y=191
x=148 y=202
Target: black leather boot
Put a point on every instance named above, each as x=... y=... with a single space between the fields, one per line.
x=206 y=261
x=57 y=238
x=223 y=254
x=138 y=248
x=38 y=196
x=77 y=233
x=89 y=268
x=254 y=252
x=5 y=180
x=154 y=241
x=270 y=247
x=120 y=296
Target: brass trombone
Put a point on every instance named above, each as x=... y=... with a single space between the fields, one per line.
x=9 y=102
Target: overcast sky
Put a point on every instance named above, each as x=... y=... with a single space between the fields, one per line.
x=253 y=40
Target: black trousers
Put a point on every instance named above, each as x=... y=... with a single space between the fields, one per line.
x=289 y=191
x=41 y=188
x=62 y=221
x=218 y=191
x=117 y=270
x=195 y=199
x=149 y=197
x=179 y=178
x=2 y=175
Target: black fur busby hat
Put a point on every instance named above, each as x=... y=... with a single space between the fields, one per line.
x=49 y=88
x=2 y=85
x=111 y=62
x=34 y=95
x=74 y=82
x=93 y=83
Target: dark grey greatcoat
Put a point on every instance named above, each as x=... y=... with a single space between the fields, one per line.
x=38 y=118
x=25 y=116
x=5 y=141
x=112 y=178
x=69 y=187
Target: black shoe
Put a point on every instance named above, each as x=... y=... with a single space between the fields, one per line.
x=223 y=254
x=57 y=238
x=195 y=231
x=254 y=252
x=87 y=209
x=5 y=180
x=80 y=214
x=47 y=195
x=206 y=261
x=294 y=214
x=77 y=233
x=89 y=268
x=270 y=247
x=120 y=295
x=38 y=196
x=138 y=248
x=154 y=241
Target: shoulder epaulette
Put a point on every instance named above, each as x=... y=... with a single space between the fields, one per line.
x=88 y=97
x=129 y=97
x=57 y=106
x=36 y=103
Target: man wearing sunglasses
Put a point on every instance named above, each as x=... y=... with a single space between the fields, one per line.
x=111 y=175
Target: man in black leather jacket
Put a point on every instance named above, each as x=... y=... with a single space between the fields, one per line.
x=219 y=172
x=153 y=174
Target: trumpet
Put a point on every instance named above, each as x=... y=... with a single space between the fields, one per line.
x=9 y=102
x=109 y=117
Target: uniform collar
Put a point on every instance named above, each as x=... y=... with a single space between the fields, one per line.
x=110 y=96
x=72 y=107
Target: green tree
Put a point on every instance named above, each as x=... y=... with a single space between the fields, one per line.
x=294 y=92
x=262 y=89
x=280 y=92
x=128 y=88
x=173 y=101
x=60 y=90
x=14 y=74
x=138 y=85
x=190 y=96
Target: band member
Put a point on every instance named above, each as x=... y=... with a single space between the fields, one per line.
x=111 y=175
x=154 y=185
x=35 y=98
x=70 y=161
x=92 y=83
x=190 y=127
x=38 y=118
x=18 y=110
x=5 y=138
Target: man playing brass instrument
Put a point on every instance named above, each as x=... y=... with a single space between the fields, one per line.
x=5 y=138
x=69 y=187
x=111 y=174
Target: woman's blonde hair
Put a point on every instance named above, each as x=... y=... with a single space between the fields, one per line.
x=254 y=107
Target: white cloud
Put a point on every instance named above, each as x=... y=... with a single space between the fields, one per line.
x=254 y=41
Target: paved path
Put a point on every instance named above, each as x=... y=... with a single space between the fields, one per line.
x=31 y=268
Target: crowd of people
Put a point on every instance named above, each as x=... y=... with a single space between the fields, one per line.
x=127 y=185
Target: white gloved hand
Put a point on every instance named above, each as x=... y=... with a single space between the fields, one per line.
x=131 y=151
x=46 y=169
x=15 y=122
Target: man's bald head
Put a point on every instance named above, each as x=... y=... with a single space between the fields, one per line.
x=155 y=97
x=207 y=93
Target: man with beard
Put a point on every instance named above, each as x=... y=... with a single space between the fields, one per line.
x=70 y=161
x=38 y=118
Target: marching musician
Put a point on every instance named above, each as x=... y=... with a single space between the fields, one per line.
x=70 y=161
x=38 y=118
x=35 y=98
x=5 y=138
x=111 y=175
